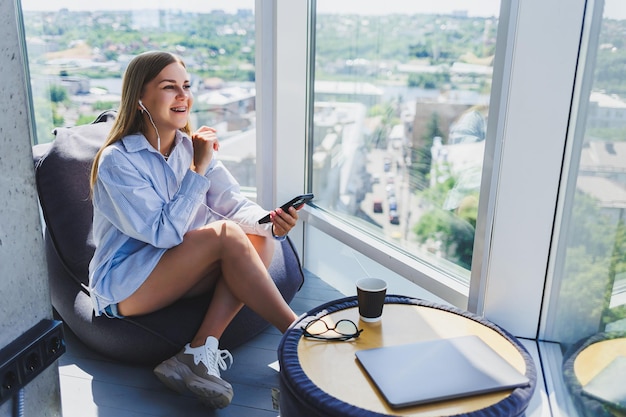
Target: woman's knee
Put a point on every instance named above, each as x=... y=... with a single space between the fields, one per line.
x=223 y=233
x=265 y=248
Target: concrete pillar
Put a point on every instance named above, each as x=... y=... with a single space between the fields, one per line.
x=24 y=294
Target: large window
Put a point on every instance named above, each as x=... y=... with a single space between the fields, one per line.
x=591 y=260
x=587 y=292
x=400 y=106
x=77 y=53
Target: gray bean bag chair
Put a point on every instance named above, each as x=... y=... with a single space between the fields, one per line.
x=62 y=175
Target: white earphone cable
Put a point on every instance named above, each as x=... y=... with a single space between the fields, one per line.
x=153 y=125
x=224 y=217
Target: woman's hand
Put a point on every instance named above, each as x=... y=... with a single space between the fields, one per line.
x=205 y=142
x=283 y=221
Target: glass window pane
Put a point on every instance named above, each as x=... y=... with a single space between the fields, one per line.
x=401 y=102
x=587 y=304
x=77 y=53
x=592 y=264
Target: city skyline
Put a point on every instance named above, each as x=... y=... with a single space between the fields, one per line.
x=485 y=8
x=613 y=9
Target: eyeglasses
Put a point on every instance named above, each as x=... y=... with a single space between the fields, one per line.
x=344 y=329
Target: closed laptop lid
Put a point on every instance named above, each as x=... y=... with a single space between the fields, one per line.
x=436 y=370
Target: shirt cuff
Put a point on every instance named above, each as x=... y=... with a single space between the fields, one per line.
x=278 y=238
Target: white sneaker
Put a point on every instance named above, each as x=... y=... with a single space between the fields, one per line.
x=198 y=370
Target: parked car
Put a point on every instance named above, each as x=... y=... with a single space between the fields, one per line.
x=378 y=206
x=393 y=217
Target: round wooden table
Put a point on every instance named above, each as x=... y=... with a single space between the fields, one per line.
x=322 y=378
x=588 y=359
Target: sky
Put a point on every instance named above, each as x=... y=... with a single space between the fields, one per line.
x=615 y=9
x=478 y=7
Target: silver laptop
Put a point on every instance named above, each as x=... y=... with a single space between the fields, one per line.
x=437 y=370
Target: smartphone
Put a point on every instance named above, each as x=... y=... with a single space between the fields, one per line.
x=295 y=202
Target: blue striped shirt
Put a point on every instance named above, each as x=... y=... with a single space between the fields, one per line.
x=144 y=205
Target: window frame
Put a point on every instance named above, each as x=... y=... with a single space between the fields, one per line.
x=526 y=182
x=590 y=38
x=281 y=81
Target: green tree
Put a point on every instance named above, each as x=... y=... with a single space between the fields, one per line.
x=454 y=230
x=617 y=269
x=454 y=234
x=595 y=256
x=43 y=120
x=387 y=114
x=421 y=156
x=85 y=119
x=58 y=94
x=105 y=105
x=429 y=81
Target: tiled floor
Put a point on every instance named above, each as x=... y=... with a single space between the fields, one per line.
x=93 y=386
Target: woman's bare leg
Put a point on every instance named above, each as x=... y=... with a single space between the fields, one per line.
x=233 y=291
x=244 y=279
x=224 y=305
x=264 y=247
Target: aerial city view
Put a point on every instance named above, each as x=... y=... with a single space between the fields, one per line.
x=400 y=106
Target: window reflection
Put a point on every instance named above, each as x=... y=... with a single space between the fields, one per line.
x=587 y=311
x=592 y=295
x=77 y=56
x=401 y=101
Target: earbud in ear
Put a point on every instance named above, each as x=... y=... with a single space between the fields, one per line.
x=142 y=106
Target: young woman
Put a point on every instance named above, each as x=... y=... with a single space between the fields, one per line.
x=170 y=222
